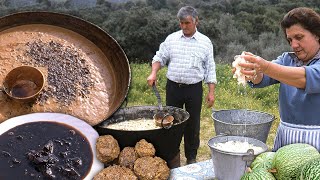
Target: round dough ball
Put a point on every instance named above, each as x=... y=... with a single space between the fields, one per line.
x=107 y=148
x=127 y=157
x=151 y=168
x=143 y=148
x=115 y=172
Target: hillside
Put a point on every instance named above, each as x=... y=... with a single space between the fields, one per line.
x=141 y=25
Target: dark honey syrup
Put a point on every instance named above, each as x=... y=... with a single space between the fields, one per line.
x=44 y=150
x=23 y=88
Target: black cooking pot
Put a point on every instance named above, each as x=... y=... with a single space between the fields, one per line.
x=115 y=56
x=165 y=141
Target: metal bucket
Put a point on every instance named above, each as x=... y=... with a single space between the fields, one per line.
x=242 y=122
x=228 y=165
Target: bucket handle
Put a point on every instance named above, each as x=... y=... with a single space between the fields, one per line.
x=249 y=157
x=227 y=133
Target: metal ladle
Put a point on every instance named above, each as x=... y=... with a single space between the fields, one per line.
x=162 y=119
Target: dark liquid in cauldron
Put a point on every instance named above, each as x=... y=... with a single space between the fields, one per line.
x=23 y=88
x=44 y=150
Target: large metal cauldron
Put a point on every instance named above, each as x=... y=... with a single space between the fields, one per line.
x=165 y=141
x=242 y=122
x=115 y=56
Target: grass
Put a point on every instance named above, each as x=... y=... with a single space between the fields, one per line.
x=228 y=95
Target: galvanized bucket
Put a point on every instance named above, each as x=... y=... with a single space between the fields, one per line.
x=231 y=165
x=242 y=122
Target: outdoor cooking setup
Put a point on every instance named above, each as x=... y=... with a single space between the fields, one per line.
x=79 y=69
x=165 y=140
x=63 y=69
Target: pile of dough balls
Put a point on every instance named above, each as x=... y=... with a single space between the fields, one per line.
x=131 y=163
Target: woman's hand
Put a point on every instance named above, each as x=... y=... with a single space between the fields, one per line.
x=254 y=67
x=257 y=63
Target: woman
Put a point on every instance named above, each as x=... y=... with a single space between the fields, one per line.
x=298 y=73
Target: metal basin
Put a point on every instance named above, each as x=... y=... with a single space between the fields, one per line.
x=242 y=122
x=231 y=165
x=114 y=62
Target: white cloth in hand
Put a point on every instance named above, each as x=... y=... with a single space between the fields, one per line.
x=237 y=74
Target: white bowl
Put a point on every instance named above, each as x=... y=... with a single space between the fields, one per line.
x=88 y=131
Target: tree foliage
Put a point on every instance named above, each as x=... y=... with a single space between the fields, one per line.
x=141 y=25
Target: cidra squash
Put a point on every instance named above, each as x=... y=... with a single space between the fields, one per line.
x=311 y=170
x=289 y=160
x=257 y=174
x=263 y=160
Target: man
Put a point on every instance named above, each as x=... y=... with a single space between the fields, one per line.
x=189 y=56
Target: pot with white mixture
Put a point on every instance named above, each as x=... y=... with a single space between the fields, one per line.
x=131 y=124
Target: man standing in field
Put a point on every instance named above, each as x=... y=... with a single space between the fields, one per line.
x=189 y=56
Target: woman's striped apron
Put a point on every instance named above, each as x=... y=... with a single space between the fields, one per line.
x=291 y=133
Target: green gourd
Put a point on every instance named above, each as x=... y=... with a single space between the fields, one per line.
x=289 y=160
x=263 y=160
x=311 y=170
x=258 y=174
